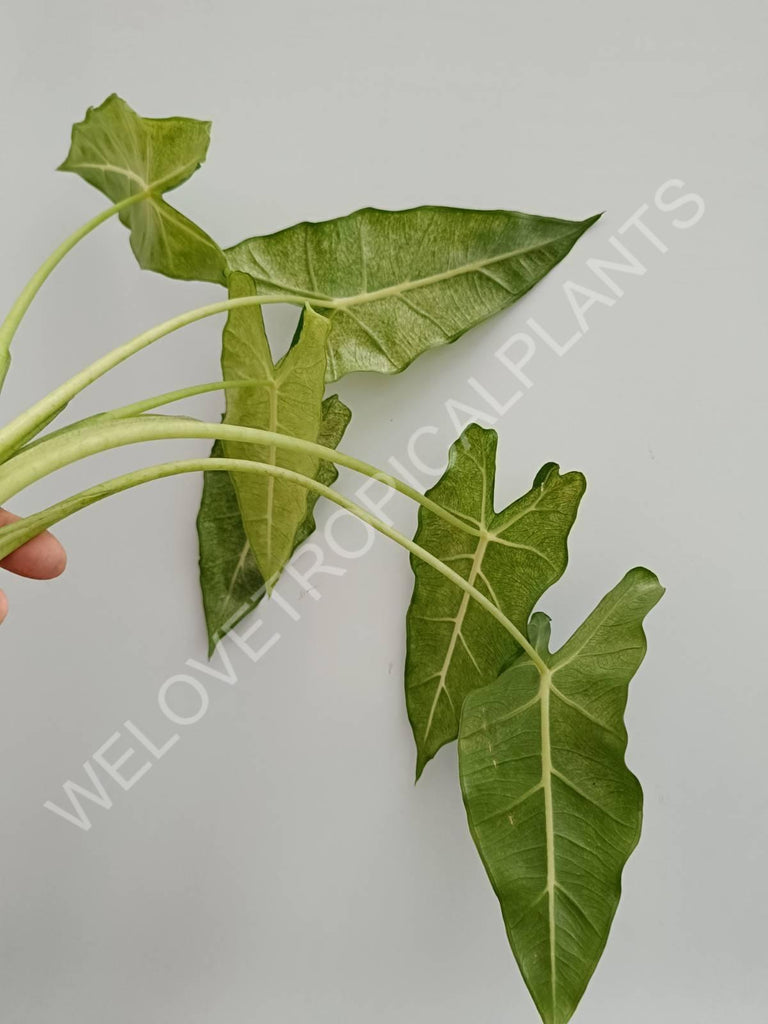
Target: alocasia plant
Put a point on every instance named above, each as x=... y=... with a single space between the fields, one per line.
x=396 y=284
x=512 y=556
x=134 y=161
x=288 y=399
x=552 y=807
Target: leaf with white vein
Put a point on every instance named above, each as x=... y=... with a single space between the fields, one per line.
x=288 y=400
x=552 y=807
x=454 y=646
x=123 y=155
x=230 y=580
x=396 y=283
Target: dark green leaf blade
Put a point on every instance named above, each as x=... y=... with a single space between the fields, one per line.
x=408 y=280
x=453 y=645
x=288 y=400
x=230 y=580
x=552 y=807
x=123 y=154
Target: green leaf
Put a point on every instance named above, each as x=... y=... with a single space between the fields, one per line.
x=395 y=284
x=552 y=807
x=454 y=646
x=124 y=155
x=231 y=583
x=289 y=401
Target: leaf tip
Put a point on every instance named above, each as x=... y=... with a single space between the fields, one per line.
x=647 y=580
x=540 y=631
x=550 y=474
x=544 y=474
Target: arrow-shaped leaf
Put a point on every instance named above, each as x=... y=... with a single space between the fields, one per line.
x=453 y=645
x=124 y=155
x=230 y=579
x=288 y=401
x=553 y=809
x=407 y=281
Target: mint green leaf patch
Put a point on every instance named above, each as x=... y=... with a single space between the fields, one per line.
x=552 y=807
x=395 y=284
x=125 y=155
x=453 y=645
x=288 y=401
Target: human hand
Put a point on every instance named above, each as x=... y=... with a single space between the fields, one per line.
x=41 y=558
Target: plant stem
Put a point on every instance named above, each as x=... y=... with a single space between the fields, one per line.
x=25 y=426
x=10 y=325
x=145 y=405
x=38 y=461
x=18 y=533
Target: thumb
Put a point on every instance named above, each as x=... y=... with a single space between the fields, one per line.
x=41 y=558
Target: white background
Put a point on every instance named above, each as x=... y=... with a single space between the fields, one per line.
x=278 y=864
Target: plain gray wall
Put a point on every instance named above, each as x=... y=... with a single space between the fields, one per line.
x=278 y=864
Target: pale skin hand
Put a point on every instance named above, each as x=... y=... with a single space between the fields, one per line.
x=42 y=558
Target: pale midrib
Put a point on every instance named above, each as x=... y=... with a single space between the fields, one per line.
x=549 y=823
x=238 y=569
x=126 y=172
x=163 y=209
x=477 y=562
x=406 y=286
x=111 y=169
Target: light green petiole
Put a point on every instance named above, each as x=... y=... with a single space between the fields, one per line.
x=26 y=425
x=13 y=536
x=145 y=405
x=10 y=325
x=38 y=461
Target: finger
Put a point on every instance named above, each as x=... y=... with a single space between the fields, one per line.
x=3 y=606
x=41 y=558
